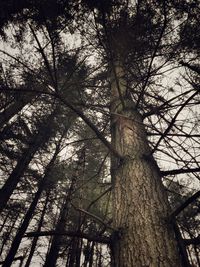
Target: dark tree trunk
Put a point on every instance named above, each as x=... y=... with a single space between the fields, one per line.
x=53 y=253
x=100 y=257
x=38 y=140
x=8 y=234
x=73 y=253
x=87 y=254
x=5 y=220
x=21 y=231
x=78 y=252
x=35 y=239
x=91 y=254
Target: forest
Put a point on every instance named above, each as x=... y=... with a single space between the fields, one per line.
x=99 y=133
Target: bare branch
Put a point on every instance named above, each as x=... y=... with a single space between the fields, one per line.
x=179 y=171
x=173 y=120
x=94 y=216
x=92 y=126
x=185 y=204
x=192 y=241
x=104 y=240
x=191 y=67
x=41 y=50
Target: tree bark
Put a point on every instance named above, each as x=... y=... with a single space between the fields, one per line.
x=144 y=236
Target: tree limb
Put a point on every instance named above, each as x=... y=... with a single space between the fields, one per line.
x=103 y=240
x=192 y=241
x=92 y=126
x=179 y=171
x=80 y=114
x=93 y=216
x=173 y=120
x=191 y=67
x=185 y=204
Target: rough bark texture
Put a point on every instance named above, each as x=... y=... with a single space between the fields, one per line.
x=144 y=237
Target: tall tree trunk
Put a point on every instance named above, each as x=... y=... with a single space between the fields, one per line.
x=7 y=235
x=74 y=252
x=38 y=140
x=88 y=254
x=35 y=239
x=5 y=220
x=91 y=254
x=53 y=253
x=21 y=231
x=78 y=252
x=144 y=235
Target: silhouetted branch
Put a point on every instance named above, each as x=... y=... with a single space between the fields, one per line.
x=173 y=120
x=80 y=114
x=179 y=171
x=94 y=216
x=104 y=240
x=191 y=67
x=192 y=241
x=92 y=126
x=19 y=258
x=185 y=204
x=41 y=50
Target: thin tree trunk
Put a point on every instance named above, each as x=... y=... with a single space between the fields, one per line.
x=21 y=231
x=87 y=254
x=73 y=252
x=21 y=261
x=144 y=235
x=181 y=245
x=53 y=253
x=195 y=248
x=100 y=257
x=38 y=140
x=91 y=254
x=68 y=256
x=78 y=251
x=35 y=239
x=8 y=234
x=196 y=252
x=5 y=220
